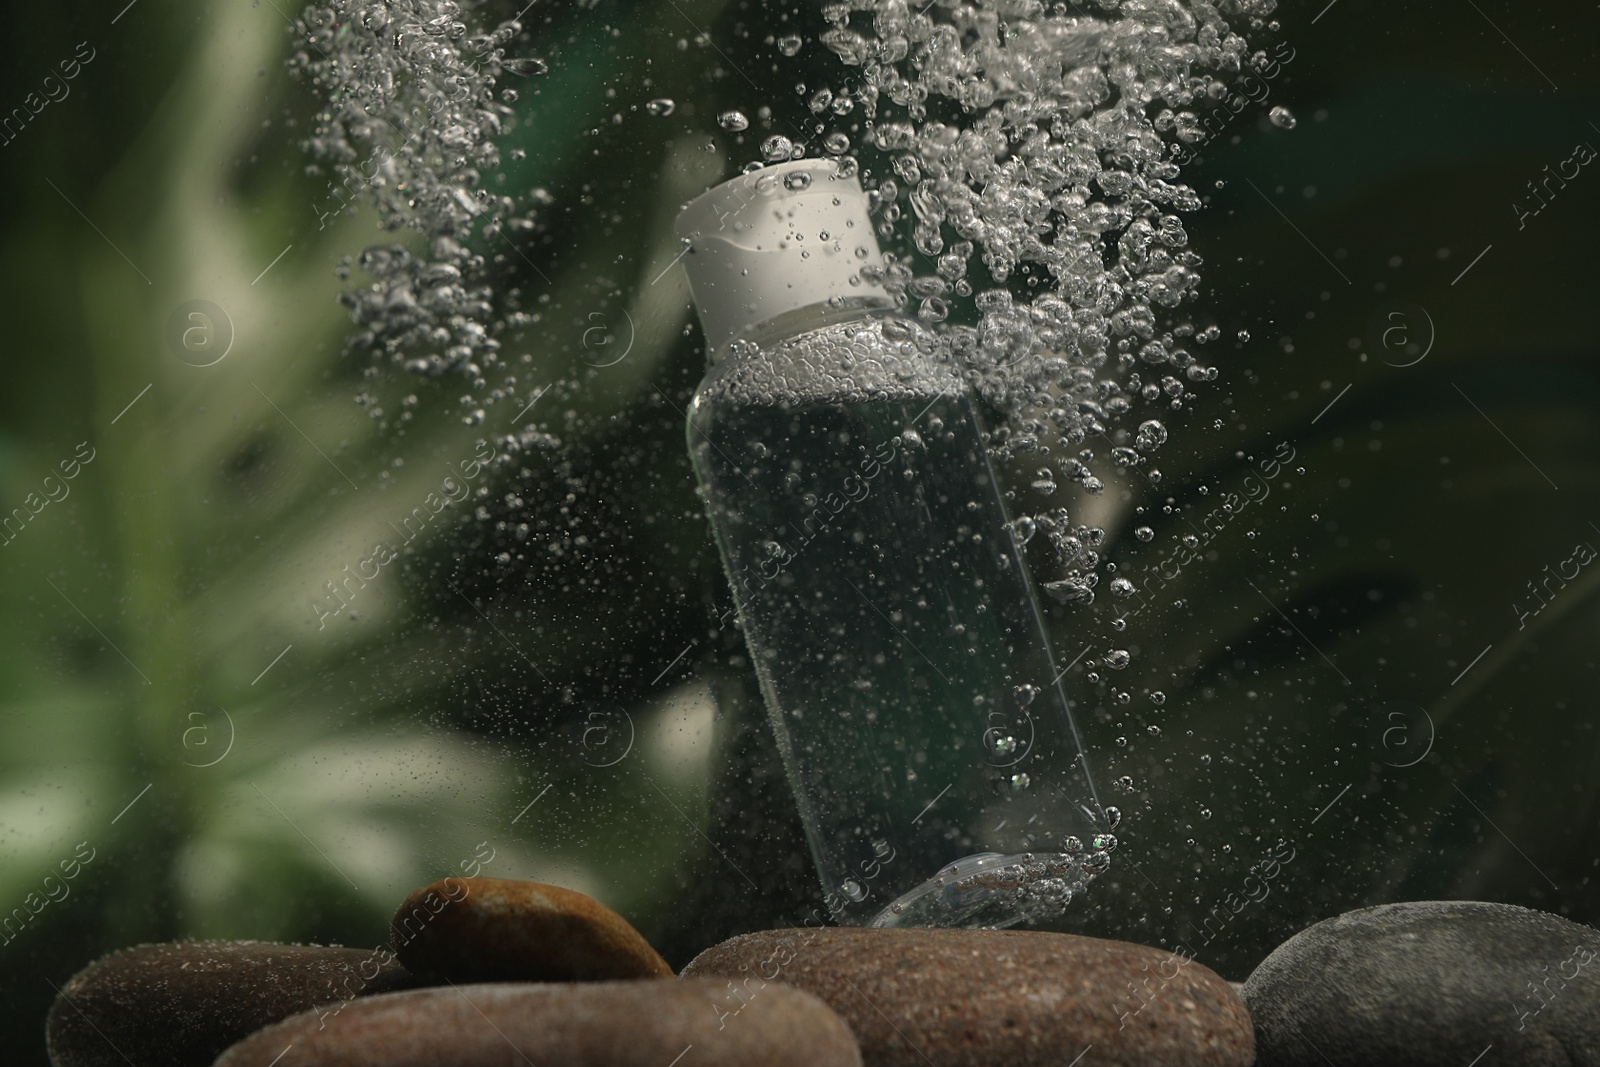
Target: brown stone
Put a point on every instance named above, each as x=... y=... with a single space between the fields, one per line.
x=561 y=1024
x=500 y=930
x=965 y=998
x=180 y=1004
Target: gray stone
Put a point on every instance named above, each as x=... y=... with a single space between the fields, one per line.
x=1431 y=983
x=994 y=998
x=181 y=1003
x=638 y=1023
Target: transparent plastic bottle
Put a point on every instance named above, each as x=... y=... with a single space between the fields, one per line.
x=883 y=597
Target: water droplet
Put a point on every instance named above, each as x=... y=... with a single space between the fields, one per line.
x=733 y=121
x=660 y=107
x=1281 y=117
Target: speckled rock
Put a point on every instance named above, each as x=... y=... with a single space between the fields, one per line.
x=638 y=1023
x=500 y=930
x=180 y=1004
x=965 y=998
x=1431 y=982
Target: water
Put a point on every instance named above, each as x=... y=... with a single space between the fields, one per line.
x=409 y=129
x=1024 y=158
x=1024 y=163
x=892 y=623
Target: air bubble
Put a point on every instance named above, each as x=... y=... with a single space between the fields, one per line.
x=525 y=68
x=1152 y=435
x=776 y=148
x=733 y=121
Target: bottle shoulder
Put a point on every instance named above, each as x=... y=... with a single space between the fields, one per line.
x=883 y=357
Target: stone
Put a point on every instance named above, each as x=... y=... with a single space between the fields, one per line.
x=181 y=1003
x=638 y=1023
x=1431 y=982
x=502 y=930
x=964 y=998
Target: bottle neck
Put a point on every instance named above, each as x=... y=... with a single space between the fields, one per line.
x=792 y=323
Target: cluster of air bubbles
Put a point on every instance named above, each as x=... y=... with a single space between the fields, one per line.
x=409 y=127
x=1033 y=150
x=1027 y=887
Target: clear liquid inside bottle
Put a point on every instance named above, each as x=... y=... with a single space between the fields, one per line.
x=893 y=625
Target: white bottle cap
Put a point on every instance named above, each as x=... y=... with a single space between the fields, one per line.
x=775 y=240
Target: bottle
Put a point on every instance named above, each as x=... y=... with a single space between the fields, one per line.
x=881 y=590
